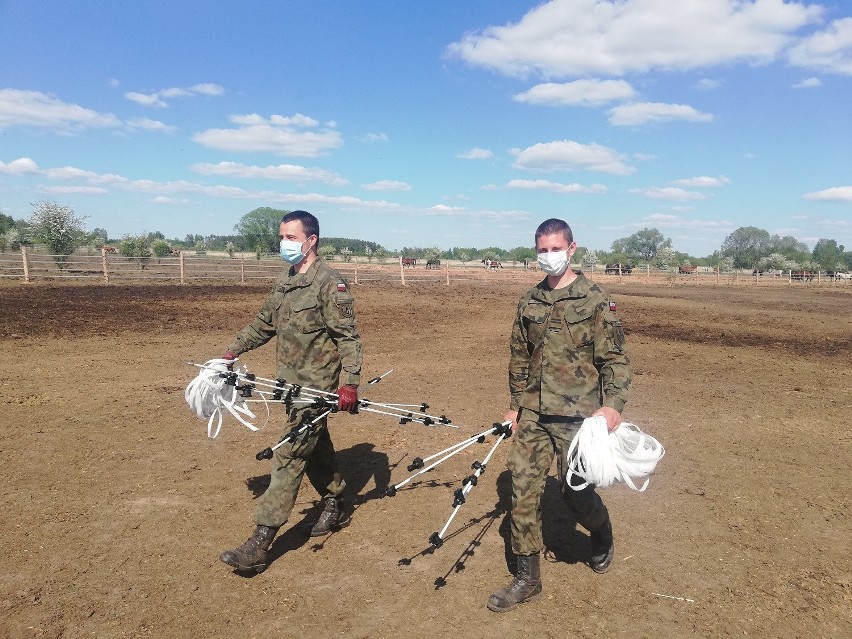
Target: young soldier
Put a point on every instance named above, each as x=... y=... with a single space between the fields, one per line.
x=310 y=312
x=568 y=362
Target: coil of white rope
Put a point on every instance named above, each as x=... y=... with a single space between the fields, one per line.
x=208 y=394
x=602 y=458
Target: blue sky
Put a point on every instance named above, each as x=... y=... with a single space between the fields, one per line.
x=434 y=123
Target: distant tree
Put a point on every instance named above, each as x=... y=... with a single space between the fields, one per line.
x=260 y=228
x=464 y=257
x=99 y=237
x=160 y=247
x=590 y=259
x=368 y=253
x=846 y=258
x=773 y=261
x=59 y=227
x=644 y=244
x=788 y=246
x=230 y=248
x=380 y=254
x=13 y=239
x=828 y=254
x=747 y=245
x=326 y=251
x=726 y=264
x=346 y=254
x=664 y=259
x=6 y=222
x=200 y=248
x=137 y=247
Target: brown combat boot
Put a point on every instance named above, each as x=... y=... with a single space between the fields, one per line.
x=603 y=549
x=333 y=517
x=251 y=555
x=526 y=585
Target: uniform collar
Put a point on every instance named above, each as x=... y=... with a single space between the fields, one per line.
x=303 y=279
x=578 y=289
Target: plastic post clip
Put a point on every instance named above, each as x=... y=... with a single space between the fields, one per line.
x=416 y=464
x=435 y=540
x=458 y=497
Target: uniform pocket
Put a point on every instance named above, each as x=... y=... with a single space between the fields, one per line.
x=307 y=316
x=534 y=318
x=581 y=325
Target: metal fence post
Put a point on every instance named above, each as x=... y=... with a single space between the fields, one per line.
x=182 y=270
x=401 y=271
x=242 y=269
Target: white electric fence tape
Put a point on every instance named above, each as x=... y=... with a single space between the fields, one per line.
x=603 y=458
x=208 y=394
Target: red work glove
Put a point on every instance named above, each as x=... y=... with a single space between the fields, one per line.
x=347 y=398
x=229 y=355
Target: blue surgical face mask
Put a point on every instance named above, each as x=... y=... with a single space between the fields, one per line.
x=291 y=251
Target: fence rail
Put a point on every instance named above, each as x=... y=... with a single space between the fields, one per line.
x=185 y=268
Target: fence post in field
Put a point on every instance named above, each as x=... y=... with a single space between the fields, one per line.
x=26 y=263
x=448 y=272
x=717 y=275
x=355 y=262
x=401 y=271
x=104 y=265
x=242 y=269
x=648 y=272
x=182 y=270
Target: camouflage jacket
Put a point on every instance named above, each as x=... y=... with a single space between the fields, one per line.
x=568 y=355
x=312 y=314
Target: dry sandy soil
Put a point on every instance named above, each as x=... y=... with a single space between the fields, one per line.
x=116 y=505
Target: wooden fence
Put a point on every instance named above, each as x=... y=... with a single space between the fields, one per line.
x=187 y=267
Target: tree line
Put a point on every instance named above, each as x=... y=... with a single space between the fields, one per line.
x=63 y=231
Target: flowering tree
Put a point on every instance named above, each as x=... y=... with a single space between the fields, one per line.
x=59 y=227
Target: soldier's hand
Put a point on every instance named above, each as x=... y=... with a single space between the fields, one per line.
x=613 y=417
x=229 y=355
x=512 y=416
x=347 y=398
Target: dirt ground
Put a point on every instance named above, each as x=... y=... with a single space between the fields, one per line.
x=116 y=505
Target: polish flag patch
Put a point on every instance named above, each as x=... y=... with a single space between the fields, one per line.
x=612 y=306
x=341 y=287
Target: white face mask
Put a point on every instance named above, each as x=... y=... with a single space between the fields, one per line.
x=554 y=262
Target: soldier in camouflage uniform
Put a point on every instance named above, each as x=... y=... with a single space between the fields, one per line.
x=310 y=312
x=568 y=362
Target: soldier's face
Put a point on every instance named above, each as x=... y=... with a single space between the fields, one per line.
x=295 y=232
x=555 y=242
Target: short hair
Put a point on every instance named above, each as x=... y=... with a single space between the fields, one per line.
x=552 y=226
x=309 y=223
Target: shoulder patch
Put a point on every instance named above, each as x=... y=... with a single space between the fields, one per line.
x=341 y=287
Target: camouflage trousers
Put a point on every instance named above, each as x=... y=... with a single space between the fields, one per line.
x=312 y=453
x=538 y=439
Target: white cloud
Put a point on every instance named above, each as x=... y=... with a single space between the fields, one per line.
x=21 y=166
x=834 y=194
x=644 y=112
x=567 y=155
x=808 y=83
x=375 y=137
x=291 y=172
x=475 y=154
x=556 y=187
x=73 y=190
x=564 y=38
x=279 y=134
x=386 y=185
x=829 y=50
x=489 y=214
x=665 y=220
x=580 y=92
x=36 y=109
x=706 y=84
x=147 y=124
x=155 y=99
x=702 y=181
x=669 y=193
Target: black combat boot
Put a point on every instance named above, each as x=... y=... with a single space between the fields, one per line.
x=251 y=555
x=603 y=548
x=334 y=516
x=526 y=585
